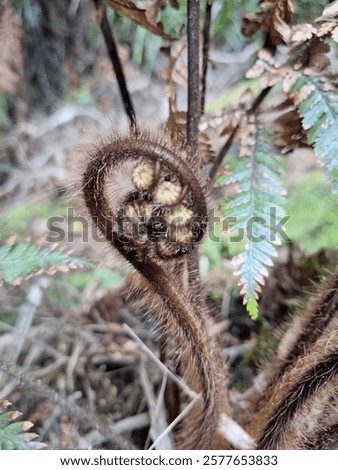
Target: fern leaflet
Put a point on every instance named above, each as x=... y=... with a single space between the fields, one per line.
x=255 y=208
x=13 y=433
x=22 y=260
x=318 y=108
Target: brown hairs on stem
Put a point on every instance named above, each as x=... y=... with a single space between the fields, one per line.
x=298 y=406
x=148 y=199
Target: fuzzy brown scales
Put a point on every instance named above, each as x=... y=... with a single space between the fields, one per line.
x=298 y=406
x=149 y=200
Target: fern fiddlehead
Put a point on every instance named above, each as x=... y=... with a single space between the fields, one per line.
x=149 y=201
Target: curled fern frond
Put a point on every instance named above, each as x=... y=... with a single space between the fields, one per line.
x=21 y=260
x=14 y=433
x=256 y=207
x=318 y=106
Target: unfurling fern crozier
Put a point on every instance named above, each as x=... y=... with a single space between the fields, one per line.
x=149 y=201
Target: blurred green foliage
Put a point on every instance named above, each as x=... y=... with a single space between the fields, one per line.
x=233 y=94
x=143 y=44
x=19 y=260
x=227 y=23
x=24 y=258
x=4 y=112
x=225 y=26
x=107 y=278
x=218 y=246
x=17 y=221
x=174 y=20
x=314 y=215
x=306 y=10
x=7 y=319
x=80 y=96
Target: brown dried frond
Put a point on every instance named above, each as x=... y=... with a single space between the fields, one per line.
x=233 y=114
x=11 y=62
x=146 y=17
x=177 y=71
x=206 y=150
x=317 y=56
x=267 y=69
x=289 y=133
x=177 y=125
x=273 y=20
x=301 y=94
x=247 y=134
x=303 y=32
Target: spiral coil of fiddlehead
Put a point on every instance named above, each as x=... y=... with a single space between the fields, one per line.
x=162 y=213
x=148 y=199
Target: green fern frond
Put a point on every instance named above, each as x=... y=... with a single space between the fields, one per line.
x=318 y=107
x=22 y=260
x=256 y=207
x=14 y=434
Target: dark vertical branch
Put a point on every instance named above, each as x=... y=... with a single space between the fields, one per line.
x=194 y=101
x=205 y=49
x=115 y=60
x=194 y=113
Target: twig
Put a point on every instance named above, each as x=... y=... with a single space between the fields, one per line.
x=131 y=423
x=228 y=143
x=173 y=423
x=205 y=49
x=194 y=101
x=158 y=421
x=115 y=60
x=55 y=416
x=26 y=316
x=235 y=434
x=83 y=415
x=190 y=393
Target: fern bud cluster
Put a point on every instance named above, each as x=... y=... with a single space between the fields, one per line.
x=158 y=208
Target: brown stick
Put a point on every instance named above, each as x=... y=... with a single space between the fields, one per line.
x=115 y=60
x=194 y=101
x=205 y=48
